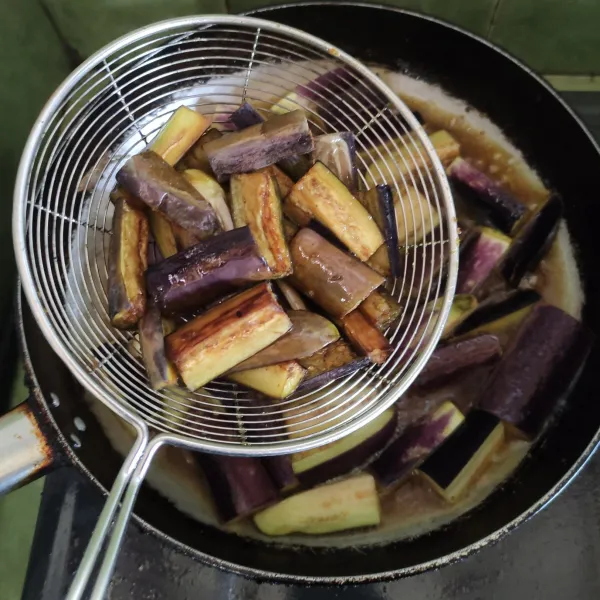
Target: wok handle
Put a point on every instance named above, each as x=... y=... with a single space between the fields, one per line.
x=25 y=453
x=124 y=492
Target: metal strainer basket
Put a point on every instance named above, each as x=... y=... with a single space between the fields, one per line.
x=109 y=109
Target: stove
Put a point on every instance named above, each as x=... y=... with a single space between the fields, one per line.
x=553 y=556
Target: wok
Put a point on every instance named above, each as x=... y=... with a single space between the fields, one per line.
x=47 y=432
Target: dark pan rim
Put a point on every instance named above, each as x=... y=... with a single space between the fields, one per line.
x=273 y=577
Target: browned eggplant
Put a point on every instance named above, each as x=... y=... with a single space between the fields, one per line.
x=504 y=209
x=325 y=198
x=309 y=333
x=226 y=335
x=455 y=357
x=532 y=241
x=452 y=466
x=333 y=507
x=366 y=338
x=196 y=157
x=184 y=238
x=482 y=255
x=379 y=201
x=409 y=155
x=216 y=266
x=380 y=309
x=148 y=177
x=255 y=202
x=346 y=454
x=239 y=485
x=163 y=233
x=332 y=362
x=120 y=194
x=264 y=144
x=337 y=151
x=160 y=370
x=519 y=385
x=128 y=260
x=335 y=281
x=415 y=443
x=179 y=134
x=276 y=381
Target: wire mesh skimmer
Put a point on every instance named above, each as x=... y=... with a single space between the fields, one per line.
x=109 y=109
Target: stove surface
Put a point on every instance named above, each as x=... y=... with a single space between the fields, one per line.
x=553 y=556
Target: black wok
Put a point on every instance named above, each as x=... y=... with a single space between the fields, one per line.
x=555 y=143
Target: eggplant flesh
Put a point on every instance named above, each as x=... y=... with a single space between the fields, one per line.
x=226 y=335
x=277 y=381
x=492 y=311
x=452 y=467
x=179 y=134
x=346 y=454
x=366 y=338
x=380 y=309
x=333 y=507
x=337 y=151
x=324 y=197
x=162 y=232
x=128 y=260
x=455 y=357
x=148 y=177
x=309 y=333
x=532 y=241
x=213 y=193
x=255 y=202
x=519 y=382
x=331 y=278
x=293 y=298
x=415 y=443
x=505 y=210
x=213 y=267
x=264 y=144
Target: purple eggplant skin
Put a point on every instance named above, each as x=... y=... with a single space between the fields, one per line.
x=480 y=258
x=413 y=445
x=318 y=381
x=332 y=279
x=264 y=144
x=450 y=359
x=352 y=458
x=246 y=116
x=519 y=384
x=532 y=241
x=379 y=201
x=214 y=267
x=337 y=151
x=151 y=179
x=239 y=485
x=504 y=209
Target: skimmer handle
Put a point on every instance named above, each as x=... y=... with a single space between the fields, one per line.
x=118 y=508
